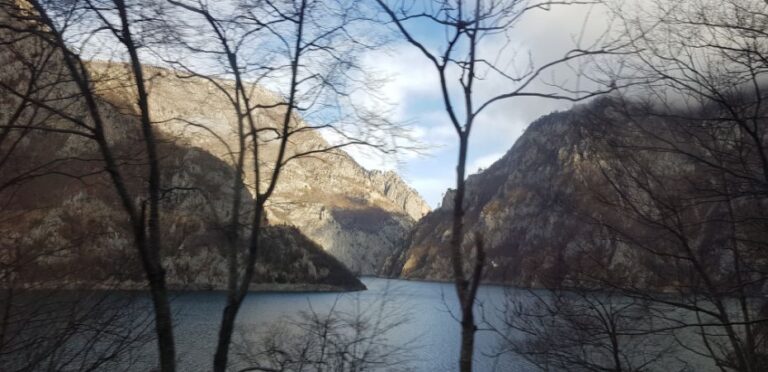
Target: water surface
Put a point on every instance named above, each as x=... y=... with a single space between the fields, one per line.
x=431 y=331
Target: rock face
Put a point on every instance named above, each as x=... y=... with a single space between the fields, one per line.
x=61 y=215
x=607 y=192
x=528 y=207
x=513 y=205
x=359 y=216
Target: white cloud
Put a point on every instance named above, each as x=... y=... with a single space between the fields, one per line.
x=408 y=76
x=413 y=89
x=407 y=80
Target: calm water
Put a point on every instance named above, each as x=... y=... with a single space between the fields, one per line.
x=427 y=332
x=431 y=332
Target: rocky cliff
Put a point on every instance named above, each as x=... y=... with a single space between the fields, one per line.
x=583 y=195
x=512 y=204
x=359 y=216
x=61 y=218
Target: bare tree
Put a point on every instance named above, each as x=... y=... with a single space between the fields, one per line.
x=49 y=22
x=44 y=324
x=461 y=63
x=690 y=165
x=669 y=231
x=675 y=193
x=127 y=13
x=55 y=329
x=353 y=334
x=585 y=330
x=309 y=51
x=312 y=46
x=697 y=235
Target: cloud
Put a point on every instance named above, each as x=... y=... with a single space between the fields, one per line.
x=408 y=77
x=407 y=81
x=414 y=91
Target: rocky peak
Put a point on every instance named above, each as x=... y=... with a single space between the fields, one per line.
x=394 y=188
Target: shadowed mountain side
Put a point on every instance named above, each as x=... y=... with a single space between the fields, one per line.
x=290 y=260
x=70 y=230
x=62 y=222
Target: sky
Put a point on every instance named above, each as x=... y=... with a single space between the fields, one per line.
x=413 y=90
x=412 y=93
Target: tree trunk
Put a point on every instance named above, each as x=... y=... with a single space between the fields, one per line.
x=153 y=265
x=465 y=296
x=220 y=359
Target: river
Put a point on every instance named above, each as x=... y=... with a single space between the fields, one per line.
x=395 y=325
x=429 y=330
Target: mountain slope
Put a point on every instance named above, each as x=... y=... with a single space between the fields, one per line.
x=317 y=194
x=607 y=192
x=512 y=204
x=62 y=221
x=536 y=209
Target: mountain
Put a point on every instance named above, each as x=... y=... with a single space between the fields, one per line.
x=512 y=204
x=550 y=214
x=62 y=220
x=359 y=216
